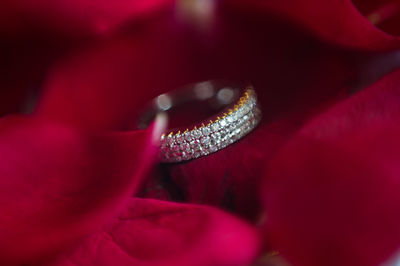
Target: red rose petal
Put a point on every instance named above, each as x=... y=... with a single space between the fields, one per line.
x=331 y=195
x=153 y=232
x=58 y=184
x=336 y=21
x=337 y=202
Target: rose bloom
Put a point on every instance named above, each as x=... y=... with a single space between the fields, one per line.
x=315 y=184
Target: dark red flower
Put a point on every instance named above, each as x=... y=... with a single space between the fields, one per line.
x=70 y=170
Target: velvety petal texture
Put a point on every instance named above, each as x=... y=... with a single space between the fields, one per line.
x=331 y=195
x=59 y=183
x=152 y=232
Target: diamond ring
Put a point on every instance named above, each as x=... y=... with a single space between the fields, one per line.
x=239 y=114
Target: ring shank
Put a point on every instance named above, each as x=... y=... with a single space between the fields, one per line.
x=239 y=116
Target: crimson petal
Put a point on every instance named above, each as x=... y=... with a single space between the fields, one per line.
x=58 y=183
x=152 y=232
x=331 y=194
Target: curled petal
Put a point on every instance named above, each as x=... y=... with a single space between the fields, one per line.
x=339 y=22
x=152 y=232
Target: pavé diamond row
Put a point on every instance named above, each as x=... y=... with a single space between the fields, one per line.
x=220 y=132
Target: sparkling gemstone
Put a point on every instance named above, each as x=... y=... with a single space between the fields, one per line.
x=215 y=126
x=243 y=111
x=196 y=154
x=223 y=143
x=196 y=133
x=231 y=139
x=239 y=112
x=184 y=155
x=246 y=108
x=222 y=122
x=204 y=151
x=189 y=152
x=206 y=131
x=240 y=123
x=195 y=144
x=185 y=147
x=179 y=138
x=225 y=132
x=175 y=148
x=216 y=135
x=188 y=136
x=205 y=141
x=235 y=115
x=213 y=148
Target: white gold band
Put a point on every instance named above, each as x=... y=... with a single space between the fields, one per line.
x=227 y=128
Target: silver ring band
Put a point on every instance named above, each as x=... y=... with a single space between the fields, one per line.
x=234 y=122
